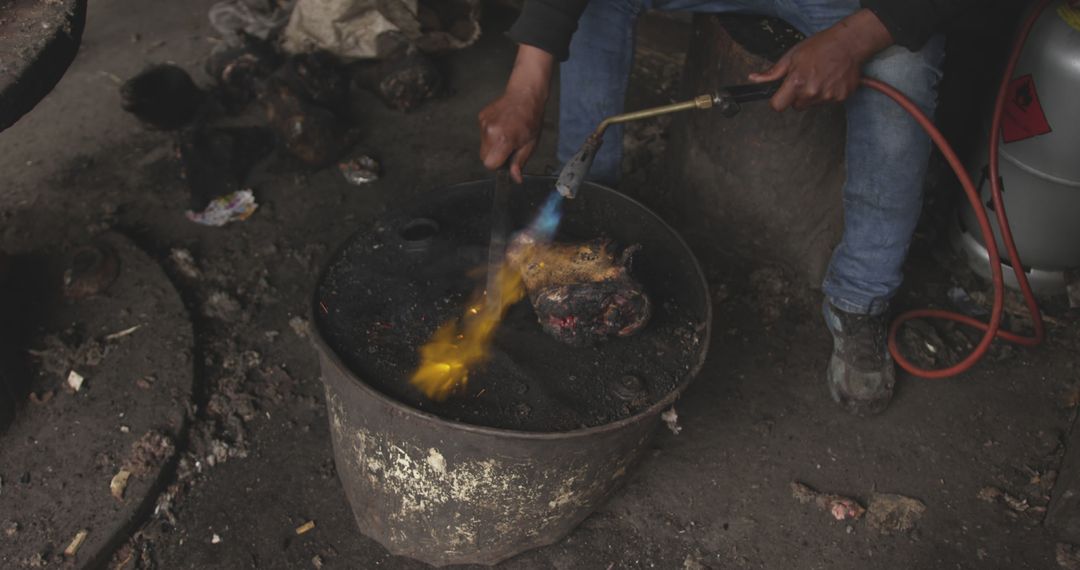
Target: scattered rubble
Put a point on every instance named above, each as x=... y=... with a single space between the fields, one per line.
x=42 y=398
x=925 y=346
x=1070 y=398
x=90 y=271
x=309 y=525
x=894 y=514
x=1015 y=504
x=119 y=483
x=1067 y=556
x=1044 y=480
x=121 y=334
x=671 y=420
x=221 y=305
x=149 y=451
x=887 y=513
x=185 y=263
x=76 y=543
x=359 y=170
x=300 y=326
x=989 y=494
x=75 y=381
x=693 y=562
x=841 y=508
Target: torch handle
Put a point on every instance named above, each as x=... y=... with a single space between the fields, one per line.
x=500 y=229
x=752 y=91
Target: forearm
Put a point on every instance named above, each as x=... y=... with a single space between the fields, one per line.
x=864 y=33
x=531 y=75
x=510 y=126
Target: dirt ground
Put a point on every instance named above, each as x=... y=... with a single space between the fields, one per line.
x=257 y=462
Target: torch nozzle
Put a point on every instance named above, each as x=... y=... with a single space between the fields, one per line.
x=574 y=171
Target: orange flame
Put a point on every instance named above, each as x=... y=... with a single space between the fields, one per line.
x=459 y=345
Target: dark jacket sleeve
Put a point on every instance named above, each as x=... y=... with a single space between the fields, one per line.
x=912 y=22
x=548 y=25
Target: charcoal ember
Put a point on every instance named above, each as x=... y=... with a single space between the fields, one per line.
x=163 y=96
x=309 y=132
x=237 y=69
x=404 y=78
x=582 y=293
x=215 y=162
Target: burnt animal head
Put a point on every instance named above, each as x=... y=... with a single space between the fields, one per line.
x=163 y=96
x=582 y=292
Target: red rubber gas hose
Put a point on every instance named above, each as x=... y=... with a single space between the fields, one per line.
x=992 y=329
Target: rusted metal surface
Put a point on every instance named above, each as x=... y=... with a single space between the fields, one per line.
x=431 y=490
x=38 y=41
x=447 y=492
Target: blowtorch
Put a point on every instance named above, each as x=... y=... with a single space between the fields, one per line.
x=726 y=100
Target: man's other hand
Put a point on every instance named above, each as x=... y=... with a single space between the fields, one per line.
x=825 y=67
x=510 y=125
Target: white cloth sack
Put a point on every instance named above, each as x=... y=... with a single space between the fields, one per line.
x=350 y=28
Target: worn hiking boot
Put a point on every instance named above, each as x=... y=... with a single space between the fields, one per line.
x=861 y=372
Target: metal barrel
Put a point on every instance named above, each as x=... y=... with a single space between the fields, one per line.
x=446 y=492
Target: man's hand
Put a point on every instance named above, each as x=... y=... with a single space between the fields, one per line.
x=510 y=125
x=826 y=66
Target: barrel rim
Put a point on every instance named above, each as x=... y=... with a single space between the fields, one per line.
x=326 y=351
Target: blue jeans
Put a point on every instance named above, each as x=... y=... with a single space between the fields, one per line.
x=886 y=152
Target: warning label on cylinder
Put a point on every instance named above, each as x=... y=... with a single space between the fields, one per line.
x=1023 y=117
